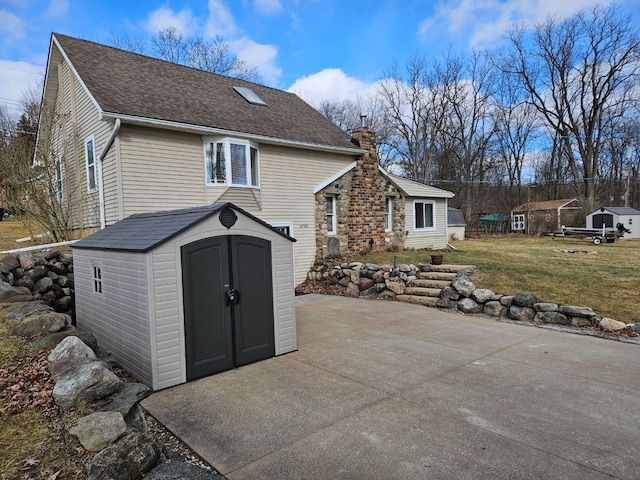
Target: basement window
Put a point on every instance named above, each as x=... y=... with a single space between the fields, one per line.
x=250 y=96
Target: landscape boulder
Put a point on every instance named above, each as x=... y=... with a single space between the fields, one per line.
x=545 y=307
x=552 y=317
x=70 y=347
x=84 y=383
x=41 y=323
x=99 y=430
x=524 y=299
x=130 y=457
x=51 y=340
x=467 y=305
x=520 y=313
x=482 y=295
x=611 y=325
x=463 y=285
x=495 y=309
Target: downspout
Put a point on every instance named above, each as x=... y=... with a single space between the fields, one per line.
x=114 y=132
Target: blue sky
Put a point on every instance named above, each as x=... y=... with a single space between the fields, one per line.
x=320 y=49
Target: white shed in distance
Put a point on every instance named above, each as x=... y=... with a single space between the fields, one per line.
x=182 y=294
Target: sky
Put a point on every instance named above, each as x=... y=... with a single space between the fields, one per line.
x=319 y=49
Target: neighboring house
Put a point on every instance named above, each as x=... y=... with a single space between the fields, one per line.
x=612 y=216
x=145 y=135
x=546 y=216
x=456 y=224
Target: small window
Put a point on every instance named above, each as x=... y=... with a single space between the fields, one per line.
x=388 y=209
x=97 y=279
x=424 y=217
x=331 y=215
x=284 y=227
x=216 y=168
x=92 y=173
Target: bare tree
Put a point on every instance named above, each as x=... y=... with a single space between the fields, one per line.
x=576 y=71
x=408 y=114
x=129 y=43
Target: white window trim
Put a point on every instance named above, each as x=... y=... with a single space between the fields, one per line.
x=226 y=142
x=97 y=278
x=288 y=225
x=433 y=211
x=388 y=225
x=91 y=139
x=333 y=228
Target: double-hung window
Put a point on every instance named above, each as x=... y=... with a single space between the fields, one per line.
x=92 y=172
x=231 y=162
x=388 y=208
x=331 y=215
x=424 y=218
x=58 y=178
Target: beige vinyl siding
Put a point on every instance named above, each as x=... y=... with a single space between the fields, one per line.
x=89 y=123
x=249 y=198
x=119 y=317
x=161 y=170
x=431 y=238
x=111 y=183
x=288 y=177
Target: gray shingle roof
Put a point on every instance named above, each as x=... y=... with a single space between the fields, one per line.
x=143 y=232
x=126 y=83
x=622 y=210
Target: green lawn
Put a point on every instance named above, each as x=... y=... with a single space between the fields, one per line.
x=607 y=280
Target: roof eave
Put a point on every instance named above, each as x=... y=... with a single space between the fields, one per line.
x=202 y=130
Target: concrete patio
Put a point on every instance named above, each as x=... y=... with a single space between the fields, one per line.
x=391 y=390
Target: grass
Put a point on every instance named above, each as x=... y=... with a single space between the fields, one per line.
x=607 y=281
x=12 y=228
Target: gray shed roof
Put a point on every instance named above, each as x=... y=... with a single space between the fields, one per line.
x=455 y=217
x=127 y=84
x=143 y=232
x=621 y=210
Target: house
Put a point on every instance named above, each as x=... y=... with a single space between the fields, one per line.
x=186 y=293
x=612 y=216
x=545 y=216
x=142 y=135
x=456 y=224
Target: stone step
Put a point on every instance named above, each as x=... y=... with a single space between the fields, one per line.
x=428 y=283
x=417 y=299
x=445 y=276
x=450 y=268
x=422 y=291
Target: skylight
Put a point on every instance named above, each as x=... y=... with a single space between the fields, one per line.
x=250 y=96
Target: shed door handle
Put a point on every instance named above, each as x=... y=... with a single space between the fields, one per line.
x=233 y=296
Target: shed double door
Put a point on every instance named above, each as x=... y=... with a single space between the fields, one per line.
x=228 y=303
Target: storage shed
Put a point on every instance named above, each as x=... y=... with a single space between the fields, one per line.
x=182 y=294
x=611 y=216
x=456 y=224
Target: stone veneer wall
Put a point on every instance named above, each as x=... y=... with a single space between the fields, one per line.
x=361 y=196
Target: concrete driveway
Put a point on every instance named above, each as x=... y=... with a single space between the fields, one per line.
x=391 y=390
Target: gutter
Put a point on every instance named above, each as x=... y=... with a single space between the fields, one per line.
x=110 y=140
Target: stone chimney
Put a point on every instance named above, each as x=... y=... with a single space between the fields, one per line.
x=366 y=208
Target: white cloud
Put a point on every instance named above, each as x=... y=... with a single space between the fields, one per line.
x=268 y=7
x=220 y=22
x=164 y=17
x=330 y=84
x=261 y=56
x=487 y=20
x=12 y=26
x=58 y=8
x=16 y=78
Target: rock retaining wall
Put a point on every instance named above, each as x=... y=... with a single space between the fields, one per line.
x=369 y=280
x=46 y=275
